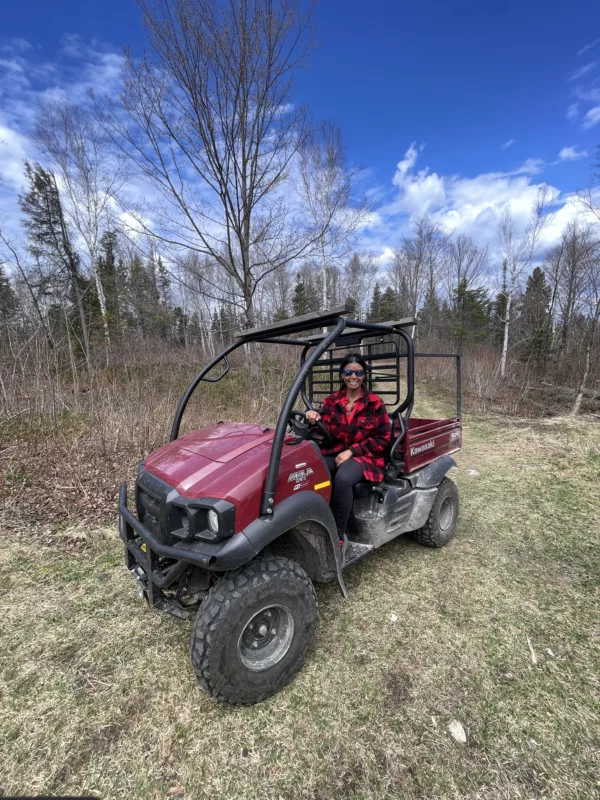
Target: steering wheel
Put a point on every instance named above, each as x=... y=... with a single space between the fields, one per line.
x=302 y=428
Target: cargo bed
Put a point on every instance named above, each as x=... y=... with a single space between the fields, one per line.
x=428 y=439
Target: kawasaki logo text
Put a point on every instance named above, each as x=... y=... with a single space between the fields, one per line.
x=414 y=451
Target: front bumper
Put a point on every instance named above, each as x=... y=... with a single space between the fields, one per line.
x=142 y=558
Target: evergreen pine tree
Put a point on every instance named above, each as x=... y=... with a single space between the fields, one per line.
x=163 y=283
x=142 y=295
x=430 y=314
x=498 y=314
x=51 y=245
x=534 y=324
x=471 y=315
x=300 y=301
x=351 y=306
x=374 y=314
x=280 y=314
x=180 y=326
x=228 y=324
x=388 y=308
x=8 y=299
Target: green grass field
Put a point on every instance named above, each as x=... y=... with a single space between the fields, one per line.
x=499 y=631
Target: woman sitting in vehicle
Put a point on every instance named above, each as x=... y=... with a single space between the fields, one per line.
x=359 y=427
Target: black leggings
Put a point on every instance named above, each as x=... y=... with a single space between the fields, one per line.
x=344 y=478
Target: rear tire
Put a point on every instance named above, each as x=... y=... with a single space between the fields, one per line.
x=441 y=523
x=253 y=631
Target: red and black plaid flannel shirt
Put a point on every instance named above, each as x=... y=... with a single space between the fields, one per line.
x=366 y=434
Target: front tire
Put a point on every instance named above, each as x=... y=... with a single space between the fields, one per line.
x=253 y=631
x=441 y=523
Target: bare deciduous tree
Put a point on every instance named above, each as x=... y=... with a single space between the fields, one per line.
x=360 y=276
x=326 y=189
x=10 y=255
x=416 y=264
x=207 y=119
x=590 y=305
x=566 y=266
x=463 y=260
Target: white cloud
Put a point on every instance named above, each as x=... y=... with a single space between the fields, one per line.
x=579 y=73
x=571 y=154
x=385 y=257
x=420 y=192
x=569 y=208
x=24 y=82
x=506 y=145
x=532 y=166
x=591 y=118
x=72 y=46
x=573 y=111
x=407 y=163
x=587 y=47
x=14 y=149
x=589 y=95
x=15 y=44
x=469 y=205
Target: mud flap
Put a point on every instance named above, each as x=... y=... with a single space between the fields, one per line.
x=339 y=573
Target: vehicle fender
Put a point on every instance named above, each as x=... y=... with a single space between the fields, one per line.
x=297 y=513
x=291 y=513
x=432 y=474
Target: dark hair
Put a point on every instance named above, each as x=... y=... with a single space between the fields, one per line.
x=352 y=358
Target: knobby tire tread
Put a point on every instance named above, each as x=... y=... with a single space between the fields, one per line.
x=218 y=602
x=426 y=535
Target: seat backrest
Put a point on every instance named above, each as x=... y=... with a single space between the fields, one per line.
x=383 y=355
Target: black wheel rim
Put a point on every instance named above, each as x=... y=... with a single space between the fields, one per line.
x=266 y=638
x=446 y=514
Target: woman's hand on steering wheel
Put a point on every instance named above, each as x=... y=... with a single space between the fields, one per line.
x=317 y=430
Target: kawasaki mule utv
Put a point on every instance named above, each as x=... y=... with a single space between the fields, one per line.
x=233 y=521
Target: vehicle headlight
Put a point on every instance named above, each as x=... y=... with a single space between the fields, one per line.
x=213 y=521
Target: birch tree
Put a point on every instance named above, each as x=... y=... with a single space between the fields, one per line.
x=590 y=300
x=516 y=251
x=326 y=190
x=360 y=275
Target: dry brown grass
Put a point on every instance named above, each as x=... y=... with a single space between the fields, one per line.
x=97 y=694
x=64 y=469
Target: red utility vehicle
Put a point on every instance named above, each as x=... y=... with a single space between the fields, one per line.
x=233 y=521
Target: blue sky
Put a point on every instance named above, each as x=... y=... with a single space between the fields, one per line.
x=454 y=109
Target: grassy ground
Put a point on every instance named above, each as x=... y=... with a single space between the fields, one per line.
x=498 y=631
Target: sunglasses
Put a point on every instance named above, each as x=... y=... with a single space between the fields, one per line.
x=358 y=372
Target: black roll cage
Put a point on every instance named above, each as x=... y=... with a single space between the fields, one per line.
x=354 y=331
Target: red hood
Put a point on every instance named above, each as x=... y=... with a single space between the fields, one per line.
x=225 y=441
x=199 y=458
x=230 y=461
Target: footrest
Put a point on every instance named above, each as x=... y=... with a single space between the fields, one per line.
x=355 y=551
